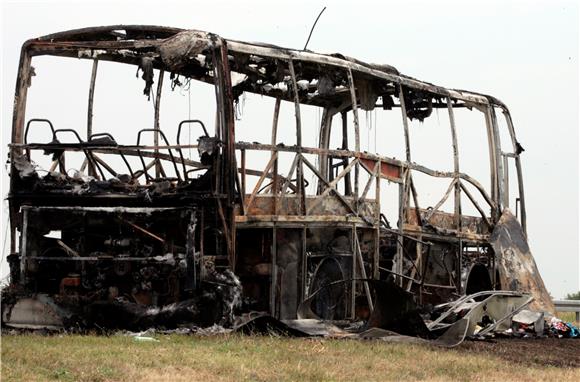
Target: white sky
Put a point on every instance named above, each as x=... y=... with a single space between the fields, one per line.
x=524 y=53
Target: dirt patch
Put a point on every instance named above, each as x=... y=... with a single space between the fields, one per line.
x=556 y=352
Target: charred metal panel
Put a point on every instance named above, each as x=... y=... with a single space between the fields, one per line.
x=516 y=266
x=446 y=221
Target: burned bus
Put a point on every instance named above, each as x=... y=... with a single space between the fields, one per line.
x=222 y=211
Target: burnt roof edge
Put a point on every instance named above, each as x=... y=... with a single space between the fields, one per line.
x=386 y=72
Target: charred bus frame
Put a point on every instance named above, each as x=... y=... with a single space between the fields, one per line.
x=284 y=239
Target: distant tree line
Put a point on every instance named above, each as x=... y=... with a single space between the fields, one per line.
x=573 y=296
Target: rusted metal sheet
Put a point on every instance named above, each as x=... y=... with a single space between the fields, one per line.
x=388 y=171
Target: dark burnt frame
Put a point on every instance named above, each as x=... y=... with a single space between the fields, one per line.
x=265 y=64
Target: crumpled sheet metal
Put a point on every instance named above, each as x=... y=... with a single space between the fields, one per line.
x=36 y=312
x=395 y=318
x=313 y=327
x=268 y=325
x=531 y=318
x=177 y=51
x=501 y=309
x=498 y=306
x=453 y=336
x=516 y=266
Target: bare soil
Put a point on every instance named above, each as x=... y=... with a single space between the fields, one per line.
x=557 y=352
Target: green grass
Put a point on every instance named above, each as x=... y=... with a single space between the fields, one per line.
x=234 y=357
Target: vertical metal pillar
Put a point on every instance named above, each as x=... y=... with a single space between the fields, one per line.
x=518 y=169
x=156 y=125
x=492 y=162
x=91 y=98
x=275 y=185
x=457 y=199
x=499 y=170
x=356 y=134
x=274 y=275
x=404 y=187
x=376 y=270
x=299 y=167
x=347 y=183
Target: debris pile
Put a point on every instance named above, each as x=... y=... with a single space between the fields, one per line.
x=561 y=329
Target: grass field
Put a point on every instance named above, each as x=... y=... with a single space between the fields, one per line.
x=235 y=357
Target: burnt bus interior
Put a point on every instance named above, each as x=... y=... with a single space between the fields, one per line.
x=150 y=212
